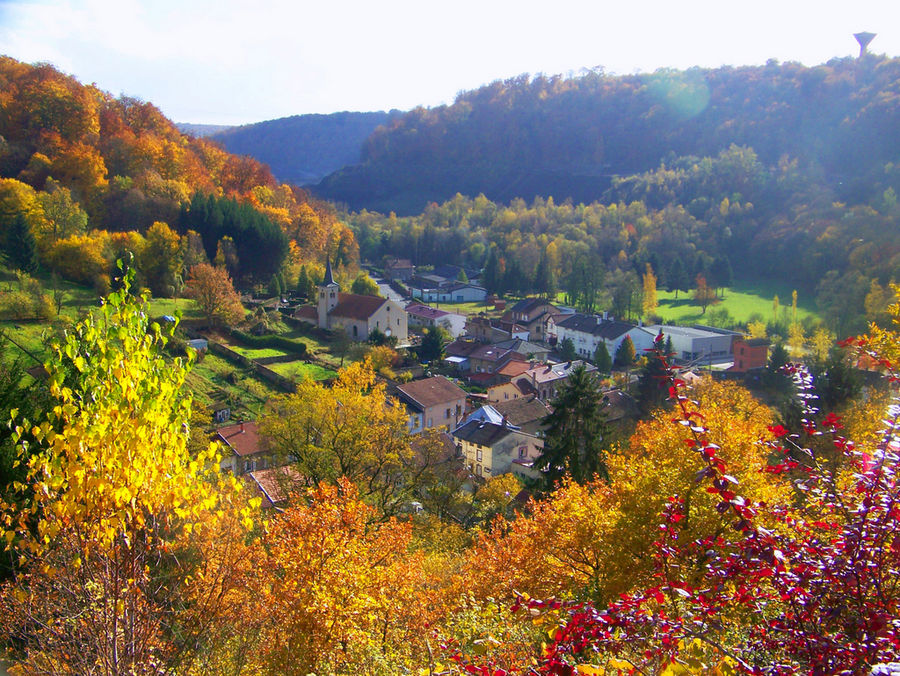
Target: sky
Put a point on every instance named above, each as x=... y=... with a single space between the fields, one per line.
x=244 y=61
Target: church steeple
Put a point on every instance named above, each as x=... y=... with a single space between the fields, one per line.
x=329 y=277
x=328 y=295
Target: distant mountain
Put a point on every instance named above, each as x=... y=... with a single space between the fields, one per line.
x=570 y=137
x=201 y=130
x=303 y=149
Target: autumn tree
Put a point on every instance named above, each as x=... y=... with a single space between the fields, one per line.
x=212 y=290
x=161 y=260
x=364 y=285
x=335 y=593
x=703 y=294
x=575 y=438
x=103 y=520
x=649 y=298
x=625 y=354
x=348 y=430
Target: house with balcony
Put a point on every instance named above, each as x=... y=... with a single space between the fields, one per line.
x=432 y=403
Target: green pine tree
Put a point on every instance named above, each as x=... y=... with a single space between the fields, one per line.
x=576 y=434
x=602 y=360
x=20 y=248
x=653 y=385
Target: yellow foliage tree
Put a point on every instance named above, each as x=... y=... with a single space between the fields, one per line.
x=349 y=430
x=102 y=524
x=649 y=298
x=596 y=540
x=337 y=594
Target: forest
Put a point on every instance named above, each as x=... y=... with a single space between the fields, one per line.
x=569 y=137
x=85 y=177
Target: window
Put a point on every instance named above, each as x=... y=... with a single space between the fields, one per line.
x=478 y=456
x=523 y=451
x=447 y=414
x=478 y=470
x=355 y=332
x=430 y=422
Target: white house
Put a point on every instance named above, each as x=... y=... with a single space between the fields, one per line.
x=428 y=317
x=587 y=331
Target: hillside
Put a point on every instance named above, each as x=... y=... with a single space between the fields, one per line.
x=303 y=149
x=85 y=177
x=569 y=137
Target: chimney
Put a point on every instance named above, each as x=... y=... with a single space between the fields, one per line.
x=242 y=426
x=505 y=421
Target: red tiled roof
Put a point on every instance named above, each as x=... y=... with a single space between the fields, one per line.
x=277 y=483
x=355 y=306
x=431 y=391
x=307 y=312
x=514 y=368
x=243 y=443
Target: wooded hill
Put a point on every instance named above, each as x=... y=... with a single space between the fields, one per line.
x=304 y=149
x=569 y=137
x=85 y=176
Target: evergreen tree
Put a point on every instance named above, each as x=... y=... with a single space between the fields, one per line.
x=576 y=433
x=625 y=354
x=303 y=283
x=653 y=384
x=432 y=347
x=493 y=275
x=275 y=287
x=602 y=360
x=677 y=278
x=837 y=382
x=670 y=350
x=721 y=273
x=20 y=247
x=567 y=350
x=544 y=283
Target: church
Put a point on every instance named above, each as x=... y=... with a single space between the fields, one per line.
x=358 y=315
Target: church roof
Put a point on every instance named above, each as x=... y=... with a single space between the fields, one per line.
x=355 y=306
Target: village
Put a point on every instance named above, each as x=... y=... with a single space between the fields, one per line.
x=487 y=387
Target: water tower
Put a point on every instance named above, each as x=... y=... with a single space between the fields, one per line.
x=863 y=39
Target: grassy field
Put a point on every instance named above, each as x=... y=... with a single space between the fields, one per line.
x=741 y=303
x=257 y=352
x=213 y=379
x=298 y=370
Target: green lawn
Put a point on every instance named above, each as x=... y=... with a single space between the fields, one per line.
x=740 y=302
x=257 y=352
x=169 y=306
x=297 y=371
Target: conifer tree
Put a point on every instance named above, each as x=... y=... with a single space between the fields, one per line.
x=653 y=383
x=576 y=432
x=20 y=247
x=625 y=353
x=602 y=360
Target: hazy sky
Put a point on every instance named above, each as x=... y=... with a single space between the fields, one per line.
x=239 y=61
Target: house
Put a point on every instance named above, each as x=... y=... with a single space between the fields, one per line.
x=697 y=345
x=510 y=387
x=749 y=354
x=220 y=411
x=243 y=450
x=546 y=380
x=487 y=330
x=424 y=316
x=399 y=268
x=532 y=313
x=274 y=485
x=524 y=413
x=489 y=358
x=530 y=351
x=358 y=315
x=429 y=291
x=490 y=449
x=587 y=332
x=432 y=403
